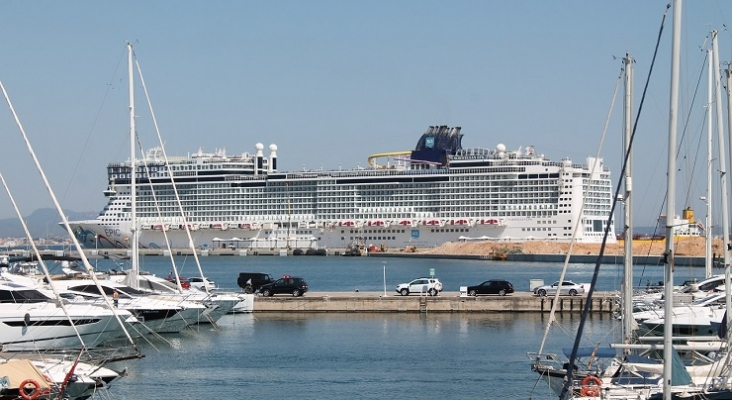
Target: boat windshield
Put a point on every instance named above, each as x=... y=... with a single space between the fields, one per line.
x=708 y=300
x=22 y=296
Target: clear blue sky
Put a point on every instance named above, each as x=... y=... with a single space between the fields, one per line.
x=331 y=82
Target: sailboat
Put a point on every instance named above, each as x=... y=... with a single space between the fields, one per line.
x=68 y=385
x=670 y=378
x=216 y=304
x=593 y=364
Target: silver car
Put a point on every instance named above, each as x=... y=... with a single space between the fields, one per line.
x=564 y=287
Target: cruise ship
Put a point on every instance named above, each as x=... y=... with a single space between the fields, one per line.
x=439 y=192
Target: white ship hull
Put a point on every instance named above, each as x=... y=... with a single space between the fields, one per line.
x=118 y=236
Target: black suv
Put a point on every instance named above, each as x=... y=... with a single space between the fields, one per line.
x=286 y=284
x=256 y=279
x=493 y=286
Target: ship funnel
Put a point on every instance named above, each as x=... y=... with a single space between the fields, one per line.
x=258 y=158
x=688 y=214
x=272 y=157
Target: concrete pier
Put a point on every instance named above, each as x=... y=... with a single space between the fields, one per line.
x=446 y=302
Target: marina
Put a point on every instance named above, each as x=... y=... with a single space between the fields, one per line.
x=219 y=275
x=264 y=350
x=362 y=354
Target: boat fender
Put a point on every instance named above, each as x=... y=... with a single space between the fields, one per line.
x=33 y=394
x=591 y=386
x=26 y=319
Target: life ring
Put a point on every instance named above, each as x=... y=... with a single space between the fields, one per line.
x=591 y=390
x=32 y=395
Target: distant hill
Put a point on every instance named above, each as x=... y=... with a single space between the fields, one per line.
x=42 y=223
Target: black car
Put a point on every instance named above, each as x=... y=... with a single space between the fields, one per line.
x=286 y=284
x=493 y=286
x=252 y=281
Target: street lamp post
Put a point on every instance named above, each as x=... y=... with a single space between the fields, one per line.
x=384 y=264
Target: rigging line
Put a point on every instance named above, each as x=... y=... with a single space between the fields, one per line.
x=170 y=173
x=152 y=189
x=579 y=221
x=160 y=216
x=93 y=127
x=678 y=152
x=57 y=205
x=688 y=119
x=40 y=260
x=586 y=311
x=178 y=283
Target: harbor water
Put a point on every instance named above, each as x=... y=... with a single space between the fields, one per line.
x=369 y=356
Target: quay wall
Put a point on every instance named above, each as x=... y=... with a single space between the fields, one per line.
x=690 y=261
x=446 y=302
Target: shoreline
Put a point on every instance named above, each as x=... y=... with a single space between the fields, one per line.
x=690 y=251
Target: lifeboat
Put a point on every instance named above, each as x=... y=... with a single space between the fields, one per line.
x=459 y=222
x=347 y=223
x=191 y=227
x=146 y=227
x=431 y=222
x=405 y=222
x=378 y=223
x=220 y=225
x=160 y=227
x=492 y=222
x=204 y=226
x=246 y=225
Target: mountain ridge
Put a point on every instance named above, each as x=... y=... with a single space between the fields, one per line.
x=42 y=223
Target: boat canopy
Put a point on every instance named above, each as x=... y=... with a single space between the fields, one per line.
x=604 y=352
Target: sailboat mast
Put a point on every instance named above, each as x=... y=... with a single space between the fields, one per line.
x=723 y=172
x=727 y=283
x=671 y=198
x=134 y=257
x=628 y=201
x=722 y=158
x=710 y=140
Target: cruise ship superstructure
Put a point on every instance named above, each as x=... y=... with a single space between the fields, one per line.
x=437 y=193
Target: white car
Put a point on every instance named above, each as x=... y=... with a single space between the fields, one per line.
x=199 y=283
x=430 y=286
x=564 y=287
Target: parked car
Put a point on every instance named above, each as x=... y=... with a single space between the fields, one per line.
x=431 y=286
x=565 y=287
x=287 y=284
x=493 y=286
x=255 y=279
x=199 y=283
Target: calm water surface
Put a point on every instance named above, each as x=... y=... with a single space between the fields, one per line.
x=369 y=356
